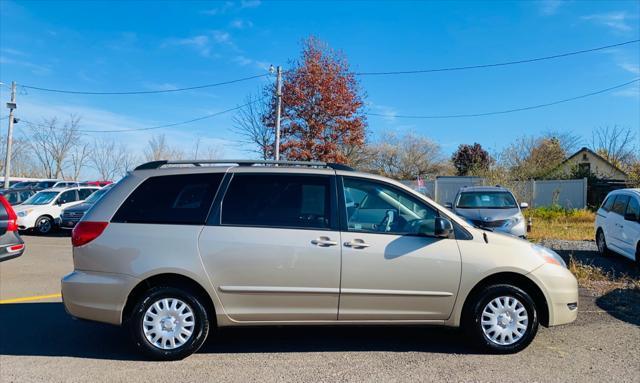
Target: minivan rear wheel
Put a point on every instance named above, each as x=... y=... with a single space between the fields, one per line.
x=503 y=319
x=169 y=323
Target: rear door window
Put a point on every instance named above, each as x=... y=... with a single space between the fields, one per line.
x=620 y=204
x=85 y=193
x=633 y=208
x=175 y=199
x=68 y=196
x=278 y=200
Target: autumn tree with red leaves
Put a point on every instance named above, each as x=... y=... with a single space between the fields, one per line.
x=322 y=107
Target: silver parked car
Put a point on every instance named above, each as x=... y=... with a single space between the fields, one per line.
x=174 y=250
x=491 y=207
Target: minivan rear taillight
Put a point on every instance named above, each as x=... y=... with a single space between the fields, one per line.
x=12 y=217
x=85 y=232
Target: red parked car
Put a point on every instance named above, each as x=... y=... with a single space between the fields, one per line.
x=11 y=245
x=96 y=183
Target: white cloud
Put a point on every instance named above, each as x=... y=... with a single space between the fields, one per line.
x=218 y=10
x=204 y=43
x=388 y=113
x=229 y=6
x=629 y=67
x=617 y=21
x=250 y=3
x=632 y=91
x=37 y=69
x=550 y=7
x=241 y=24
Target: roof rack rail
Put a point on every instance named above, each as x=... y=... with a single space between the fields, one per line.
x=161 y=163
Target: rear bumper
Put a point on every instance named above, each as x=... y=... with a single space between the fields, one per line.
x=96 y=296
x=560 y=288
x=12 y=250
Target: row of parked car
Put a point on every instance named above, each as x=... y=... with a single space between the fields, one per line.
x=617 y=223
x=44 y=205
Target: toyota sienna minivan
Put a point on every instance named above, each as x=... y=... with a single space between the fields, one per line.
x=177 y=249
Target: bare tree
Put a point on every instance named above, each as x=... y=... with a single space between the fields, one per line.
x=108 y=158
x=159 y=149
x=248 y=124
x=79 y=157
x=615 y=144
x=406 y=157
x=52 y=143
x=22 y=159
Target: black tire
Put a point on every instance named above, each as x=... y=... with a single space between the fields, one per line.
x=200 y=327
x=638 y=255
x=473 y=319
x=601 y=243
x=44 y=225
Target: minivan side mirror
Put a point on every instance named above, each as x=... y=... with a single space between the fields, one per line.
x=443 y=228
x=448 y=205
x=524 y=205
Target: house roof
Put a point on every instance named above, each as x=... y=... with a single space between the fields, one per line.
x=583 y=149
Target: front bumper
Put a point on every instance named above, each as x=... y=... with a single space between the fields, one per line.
x=27 y=222
x=96 y=296
x=560 y=288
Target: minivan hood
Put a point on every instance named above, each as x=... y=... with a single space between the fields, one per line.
x=492 y=214
x=80 y=208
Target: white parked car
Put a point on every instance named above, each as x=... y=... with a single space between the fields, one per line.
x=66 y=184
x=618 y=224
x=42 y=210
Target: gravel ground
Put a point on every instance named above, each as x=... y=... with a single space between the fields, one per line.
x=40 y=343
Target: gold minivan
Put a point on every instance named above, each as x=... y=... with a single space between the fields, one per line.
x=179 y=248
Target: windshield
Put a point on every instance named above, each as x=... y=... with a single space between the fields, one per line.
x=22 y=185
x=93 y=198
x=41 y=198
x=486 y=200
x=45 y=184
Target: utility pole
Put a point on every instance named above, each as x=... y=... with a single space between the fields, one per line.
x=278 y=109
x=7 y=163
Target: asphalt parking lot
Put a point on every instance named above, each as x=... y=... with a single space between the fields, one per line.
x=40 y=342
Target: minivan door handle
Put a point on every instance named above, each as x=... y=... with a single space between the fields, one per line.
x=357 y=244
x=324 y=241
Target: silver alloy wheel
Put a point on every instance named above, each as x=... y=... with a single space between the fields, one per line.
x=168 y=323
x=504 y=320
x=44 y=225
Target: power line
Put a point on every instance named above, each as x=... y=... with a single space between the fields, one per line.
x=445 y=69
x=144 y=91
x=508 y=110
x=165 y=125
x=449 y=69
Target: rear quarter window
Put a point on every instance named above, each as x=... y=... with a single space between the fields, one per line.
x=175 y=199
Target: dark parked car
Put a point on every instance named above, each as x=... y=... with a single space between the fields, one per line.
x=70 y=216
x=36 y=185
x=11 y=245
x=17 y=196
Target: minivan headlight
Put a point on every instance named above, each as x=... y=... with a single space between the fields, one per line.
x=24 y=213
x=549 y=255
x=515 y=220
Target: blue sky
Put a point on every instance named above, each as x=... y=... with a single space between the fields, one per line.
x=113 y=46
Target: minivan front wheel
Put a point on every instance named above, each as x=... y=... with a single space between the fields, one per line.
x=503 y=319
x=44 y=225
x=169 y=323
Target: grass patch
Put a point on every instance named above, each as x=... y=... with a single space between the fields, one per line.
x=595 y=278
x=558 y=223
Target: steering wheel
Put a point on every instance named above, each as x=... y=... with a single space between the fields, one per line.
x=387 y=221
